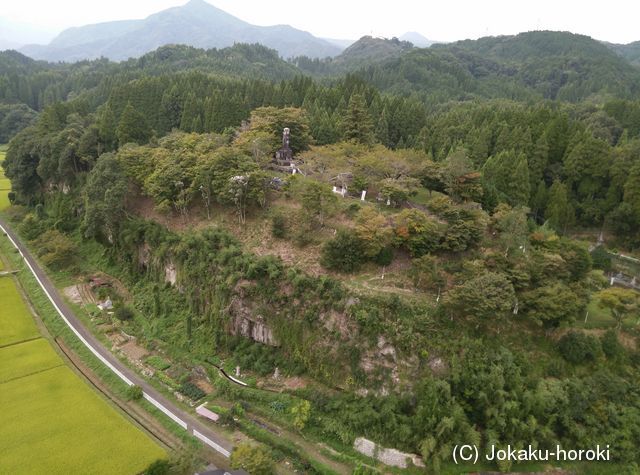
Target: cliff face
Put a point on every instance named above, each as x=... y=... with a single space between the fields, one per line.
x=339 y=338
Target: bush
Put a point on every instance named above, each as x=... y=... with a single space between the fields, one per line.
x=255 y=459
x=384 y=257
x=343 y=253
x=134 y=393
x=123 y=313
x=578 y=348
x=55 y=249
x=601 y=259
x=278 y=226
x=159 y=467
x=611 y=346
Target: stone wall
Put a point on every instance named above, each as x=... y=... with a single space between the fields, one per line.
x=391 y=457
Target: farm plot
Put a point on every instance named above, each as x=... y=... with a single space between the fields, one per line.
x=51 y=421
x=16 y=323
x=5 y=186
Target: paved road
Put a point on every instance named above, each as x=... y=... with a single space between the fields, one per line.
x=178 y=415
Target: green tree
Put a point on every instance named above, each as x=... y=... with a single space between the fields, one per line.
x=462 y=181
x=133 y=127
x=559 y=213
x=104 y=197
x=426 y=274
x=107 y=125
x=269 y=122
x=508 y=173
x=622 y=303
x=373 y=230
x=255 y=459
x=55 y=250
x=578 y=348
x=318 y=202
x=488 y=296
x=418 y=232
x=343 y=253
x=357 y=124
x=552 y=305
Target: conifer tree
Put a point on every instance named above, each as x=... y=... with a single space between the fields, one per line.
x=357 y=123
x=133 y=127
x=559 y=213
x=107 y=125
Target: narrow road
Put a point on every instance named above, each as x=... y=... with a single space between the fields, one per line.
x=175 y=413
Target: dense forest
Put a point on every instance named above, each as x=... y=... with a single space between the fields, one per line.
x=483 y=164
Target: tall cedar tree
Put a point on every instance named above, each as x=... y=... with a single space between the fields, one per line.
x=357 y=124
x=133 y=127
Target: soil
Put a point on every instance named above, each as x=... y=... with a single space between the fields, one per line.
x=133 y=352
x=73 y=294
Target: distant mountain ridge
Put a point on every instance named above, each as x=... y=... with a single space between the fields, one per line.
x=417 y=39
x=196 y=23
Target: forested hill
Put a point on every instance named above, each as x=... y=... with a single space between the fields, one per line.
x=550 y=65
x=631 y=51
x=529 y=66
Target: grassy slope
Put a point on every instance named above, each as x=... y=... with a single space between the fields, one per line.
x=51 y=420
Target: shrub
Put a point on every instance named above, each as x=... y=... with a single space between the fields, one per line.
x=278 y=226
x=601 y=259
x=134 y=393
x=578 y=348
x=55 y=249
x=343 y=253
x=611 y=346
x=159 y=467
x=123 y=313
x=384 y=257
x=255 y=459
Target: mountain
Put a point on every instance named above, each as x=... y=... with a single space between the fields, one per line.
x=196 y=23
x=630 y=52
x=417 y=39
x=15 y=34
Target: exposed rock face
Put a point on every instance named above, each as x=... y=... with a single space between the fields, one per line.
x=170 y=273
x=250 y=326
x=391 y=457
x=144 y=255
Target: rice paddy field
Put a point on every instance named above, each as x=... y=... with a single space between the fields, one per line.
x=5 y=185
x=51 y=421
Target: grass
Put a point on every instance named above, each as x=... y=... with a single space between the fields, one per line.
x=51 y=420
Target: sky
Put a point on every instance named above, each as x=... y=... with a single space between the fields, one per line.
x=442 y=20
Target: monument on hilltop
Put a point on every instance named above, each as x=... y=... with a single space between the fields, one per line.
x=283 y=161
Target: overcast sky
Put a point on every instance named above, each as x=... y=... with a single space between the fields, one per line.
x=443 y=20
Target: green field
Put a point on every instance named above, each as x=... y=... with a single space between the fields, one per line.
x=5 y=184
x=16 y=323
x=51 y=421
